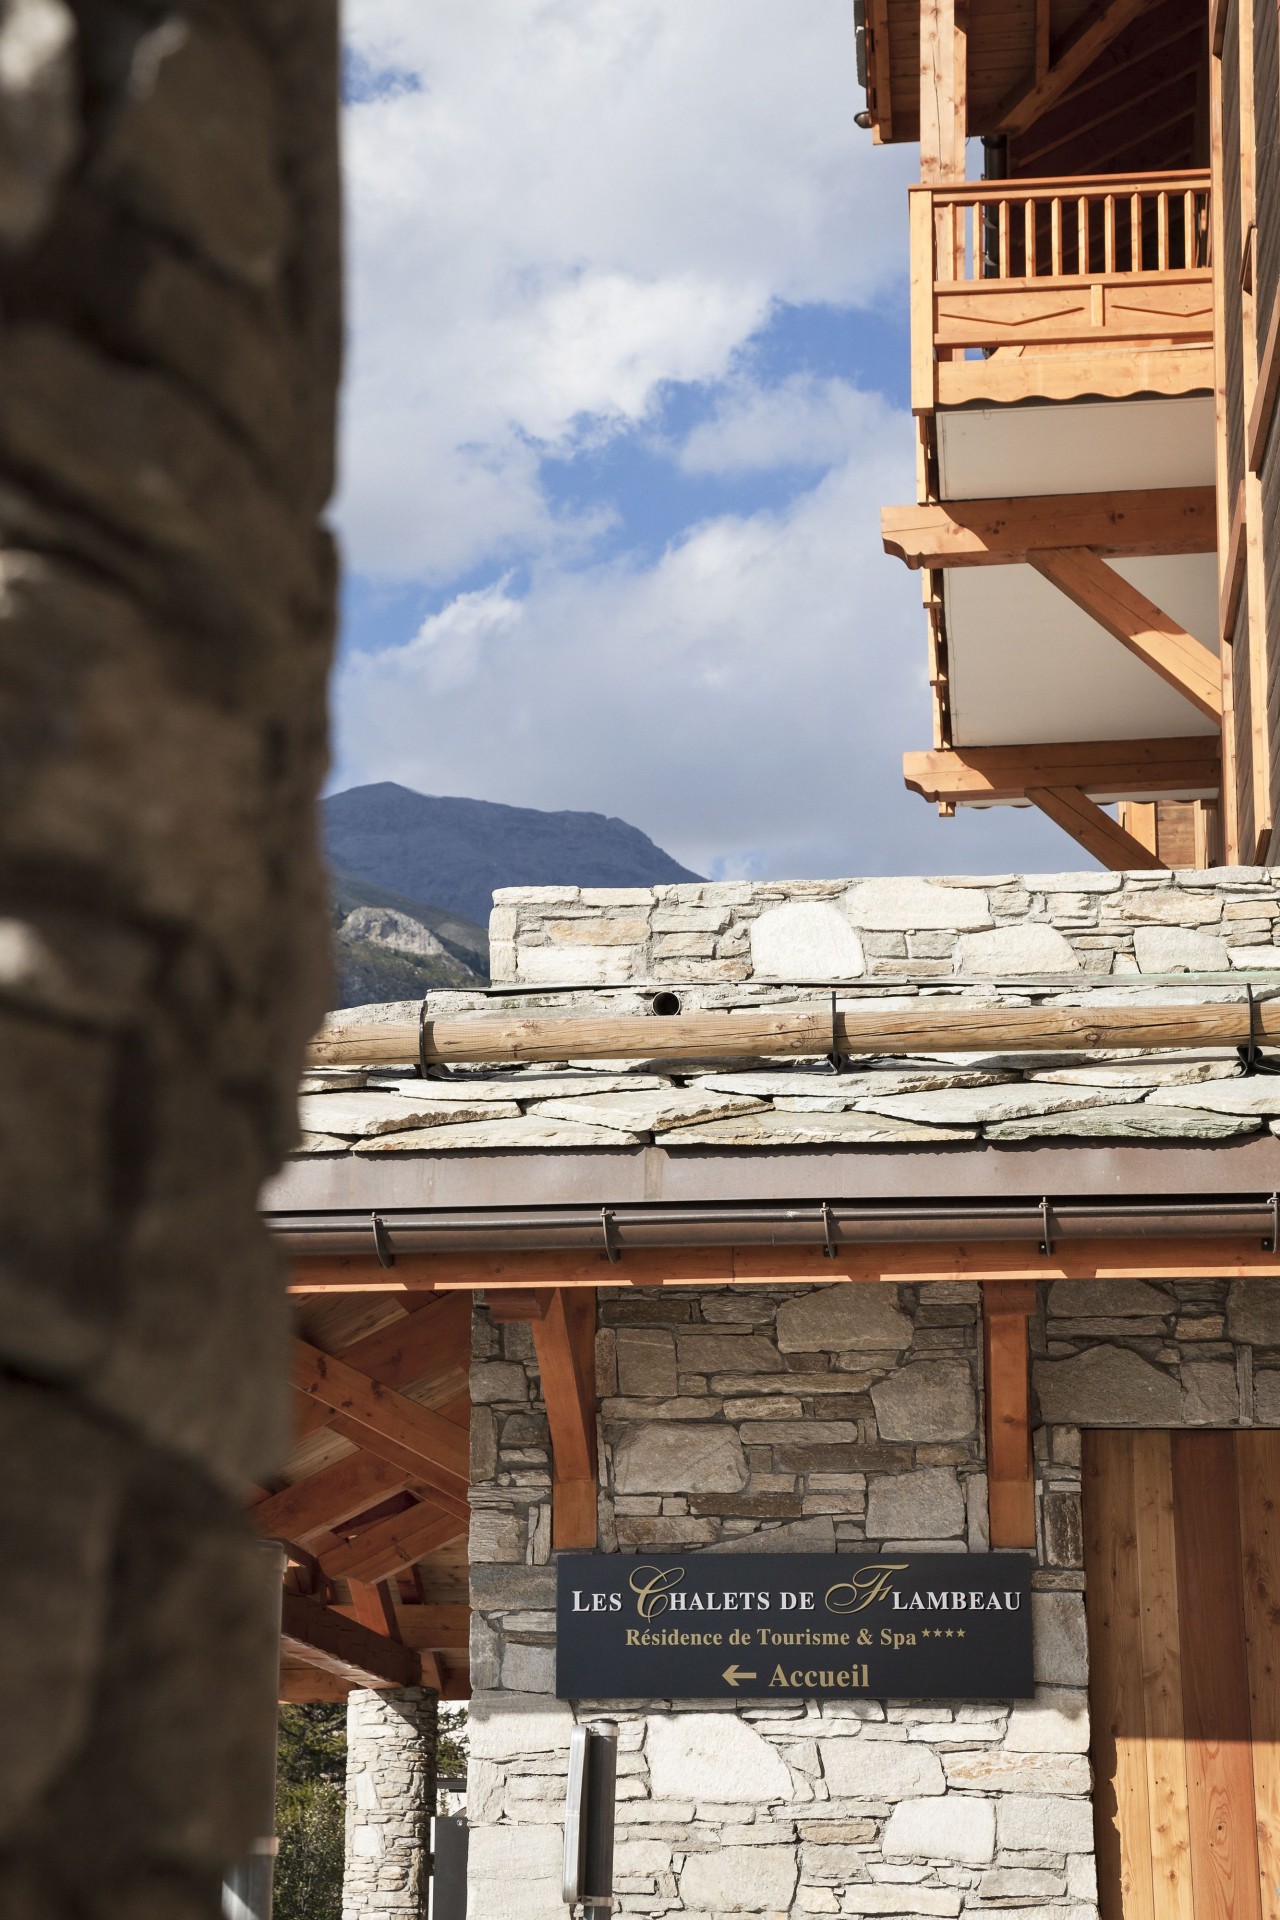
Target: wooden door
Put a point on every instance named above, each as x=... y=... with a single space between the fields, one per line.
x=1182 y=1566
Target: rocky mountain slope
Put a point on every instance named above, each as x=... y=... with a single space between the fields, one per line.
x=388 y=946
x=454 y=852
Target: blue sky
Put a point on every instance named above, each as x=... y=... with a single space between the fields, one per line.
x=626 y=390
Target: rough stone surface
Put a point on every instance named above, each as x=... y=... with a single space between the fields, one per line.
x=171 y=338
x=924 y=1505
x=911 y=905
x=1179 y=950
x=958 y=1828
x=391 y=1777
x=881 y=1770
x=805 y=940
x=932 y=1400
x=842 y=1320
x=713 y=1756
x=739 y=1880
x=1253 y=1312
x=1015 y=951
x=680 y=1459
x=1107 y=1386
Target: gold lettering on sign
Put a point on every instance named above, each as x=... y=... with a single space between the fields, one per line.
x=652 y=1587
x=867 y=1585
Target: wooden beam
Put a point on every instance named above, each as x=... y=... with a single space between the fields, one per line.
x=1105 y=769
x=322 y=1637
x=943 y=89
x=373 y=1607
x=1074 y=54
x=429 y=1349
x=1006 y=1308
x=1181 y=660
x=439 y=1448
x=985 y=533
x=327 y=1498
x=392 y=1544
x=565 y=1345
x=1103 y=838
x=444 y=1628
x=407 y=1458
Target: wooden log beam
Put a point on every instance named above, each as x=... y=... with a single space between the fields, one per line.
x=443 y=1628
x=1100 y=836
x=320 y=1636
x=390 y=1545
x=999 y=533
x=1137 y=623
x=1006 y=1307
x=327 y=1498
x=1114 y=1257
x=388 y=1423
x=1076 y=51
x=564 y=1340
x=1187 y=766
x=373 y=1607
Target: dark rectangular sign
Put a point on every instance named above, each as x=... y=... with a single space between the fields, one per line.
x=897 y=1626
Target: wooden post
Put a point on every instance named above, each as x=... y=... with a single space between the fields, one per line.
x=943 y=89
x=564 y=1339
x=1006 y=1307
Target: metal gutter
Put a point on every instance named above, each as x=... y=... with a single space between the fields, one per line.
x=617 y=1229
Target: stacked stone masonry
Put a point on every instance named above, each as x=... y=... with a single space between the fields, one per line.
x=838 y=1418
x=391 y=1763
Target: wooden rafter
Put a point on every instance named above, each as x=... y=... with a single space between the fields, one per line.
x=373 y=1606
x=320 y=1636
x=1006 y=1307
x=976 y=533
x=1136 y=622
x=564 y=1340
x=428 y=1349
x=1100 y=836
x=442 y=1628
x=327 y=1498
x=1107 y=769
x=1074 y=54
x=390 y=1544
x=387 y=1421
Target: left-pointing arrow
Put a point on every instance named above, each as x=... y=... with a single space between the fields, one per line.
x=735 y=1673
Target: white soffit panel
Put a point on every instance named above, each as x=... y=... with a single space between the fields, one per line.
x=1026 y=665
x=1090 y=446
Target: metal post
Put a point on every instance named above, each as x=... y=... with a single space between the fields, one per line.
x=589 y=1815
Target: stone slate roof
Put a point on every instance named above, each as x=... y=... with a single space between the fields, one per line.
x=936 y=1100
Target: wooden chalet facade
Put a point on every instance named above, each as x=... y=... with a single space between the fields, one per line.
x=1094 y=367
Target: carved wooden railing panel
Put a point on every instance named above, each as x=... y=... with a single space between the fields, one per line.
x=1038 y=274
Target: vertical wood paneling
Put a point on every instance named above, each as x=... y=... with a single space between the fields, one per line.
x=1162 y=1677
x=1258 y=1478
x=1122 y=1821
x=1215 y=1682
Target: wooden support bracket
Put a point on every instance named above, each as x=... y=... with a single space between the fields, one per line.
x=388 y=1424
x=354 y=1653
x=1094 y=830
x=1006 y=1307
x=564 y=1340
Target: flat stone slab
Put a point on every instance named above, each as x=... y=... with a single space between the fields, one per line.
x=531 y=1086
x=321 y=1143
x=849 y=1086
x=1141 y=1122
x=359 y=1116
x=769 y=1128
x=648 y=1112
x=1167 y=1070
x=984 y=1106
x=479 y=1135
x=1260 y=1095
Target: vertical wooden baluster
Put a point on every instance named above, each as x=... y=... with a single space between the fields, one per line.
x=1055 y=236
x=1082 y=235
x=1135 y=232
x=1003 y=237
x=1109 y=234
x=1162 y=231
x=1029 y=237
x=1188 y=228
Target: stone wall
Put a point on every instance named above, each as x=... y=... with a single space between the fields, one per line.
x=391 y=1770
x=818 y=1420
x=1004 y=925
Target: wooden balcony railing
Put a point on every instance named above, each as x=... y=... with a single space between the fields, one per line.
x=1017 y=284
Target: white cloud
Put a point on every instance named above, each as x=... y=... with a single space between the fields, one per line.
x=744 y=700
x=579 y=201
x=802 y=422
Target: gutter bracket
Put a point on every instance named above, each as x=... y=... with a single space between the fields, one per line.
x=1270 y=1244
x=835 y=1059
x=1046 y=1226
x=611 y=1253
x=381 y=1244
x=828 y=1238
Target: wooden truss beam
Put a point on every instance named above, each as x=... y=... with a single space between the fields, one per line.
x=399 y=1429
x=1006 y=1307
x=442 y=1628
x=1074 y=54
x=327 y=1498
x=1103 y=769
x=1137 y=623
x=390 y=1545
x=1100 y=836
x=987 y=533
x=564 y=1340
x=429 y=1349
x=320 y=1636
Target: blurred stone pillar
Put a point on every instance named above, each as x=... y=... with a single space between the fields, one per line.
x=168 y=358
x=391 y=1796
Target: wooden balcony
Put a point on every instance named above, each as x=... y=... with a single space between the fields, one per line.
x=1053 y=289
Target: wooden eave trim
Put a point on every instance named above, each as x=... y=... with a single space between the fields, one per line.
x=976 y=533
x=1101 y=769
x=1264 y=400
x=1234 y=570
